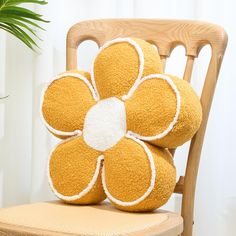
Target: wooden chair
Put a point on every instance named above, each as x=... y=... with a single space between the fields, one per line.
x=54 y=218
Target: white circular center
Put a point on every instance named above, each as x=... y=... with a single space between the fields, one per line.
x=105 y=124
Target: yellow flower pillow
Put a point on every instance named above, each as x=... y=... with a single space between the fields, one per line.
x=117 y=125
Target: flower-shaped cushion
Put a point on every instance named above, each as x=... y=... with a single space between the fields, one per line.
x=117 y=125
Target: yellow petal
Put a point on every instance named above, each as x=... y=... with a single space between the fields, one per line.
x=119 y=64
x=66 y=102
x=75 y=172
x=86 y=74
x=163 y=110
x=130 y=168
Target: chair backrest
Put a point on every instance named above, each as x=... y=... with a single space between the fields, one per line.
x=166 y=35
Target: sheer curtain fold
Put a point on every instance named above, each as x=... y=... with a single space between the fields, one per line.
x=25 y=143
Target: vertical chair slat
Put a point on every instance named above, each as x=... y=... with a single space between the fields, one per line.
x=163 y=59
x=188 y=68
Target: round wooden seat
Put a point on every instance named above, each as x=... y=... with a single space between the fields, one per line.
x=56 y=218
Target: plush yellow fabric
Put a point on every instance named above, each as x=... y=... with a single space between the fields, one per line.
x=128 y=175
x=86 y=74
x=150 y=114
x=65 y=103
x=72 y=166
x=116 y=67
x=149 y=111
x=189 y=120
x=152 y=60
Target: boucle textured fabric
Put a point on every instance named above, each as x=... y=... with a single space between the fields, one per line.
x=127 y=173
x=74 y=162
x=150 y=115
x=117 y=124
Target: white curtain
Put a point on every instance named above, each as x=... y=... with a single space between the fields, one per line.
x=25 y=143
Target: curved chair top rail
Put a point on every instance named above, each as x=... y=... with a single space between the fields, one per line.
x=166 y=35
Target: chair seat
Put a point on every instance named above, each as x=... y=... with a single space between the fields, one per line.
x=59 y=219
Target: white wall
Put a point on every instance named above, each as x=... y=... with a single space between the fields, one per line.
x=25 y=143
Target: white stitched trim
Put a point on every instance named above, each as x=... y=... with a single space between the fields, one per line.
x=49 y=127
x=83 y=192
x=119 y=40
x=152 y=181
x=178 y=104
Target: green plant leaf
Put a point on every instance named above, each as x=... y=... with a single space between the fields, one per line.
x=22 y=19
x=16 y=2
x=17 y=34
x=19 y=21
x=25 y=35
x=23 y=12
x=2 y=2
x=3 y=97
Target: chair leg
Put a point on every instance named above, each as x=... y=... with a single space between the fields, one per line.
x=188 y=227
